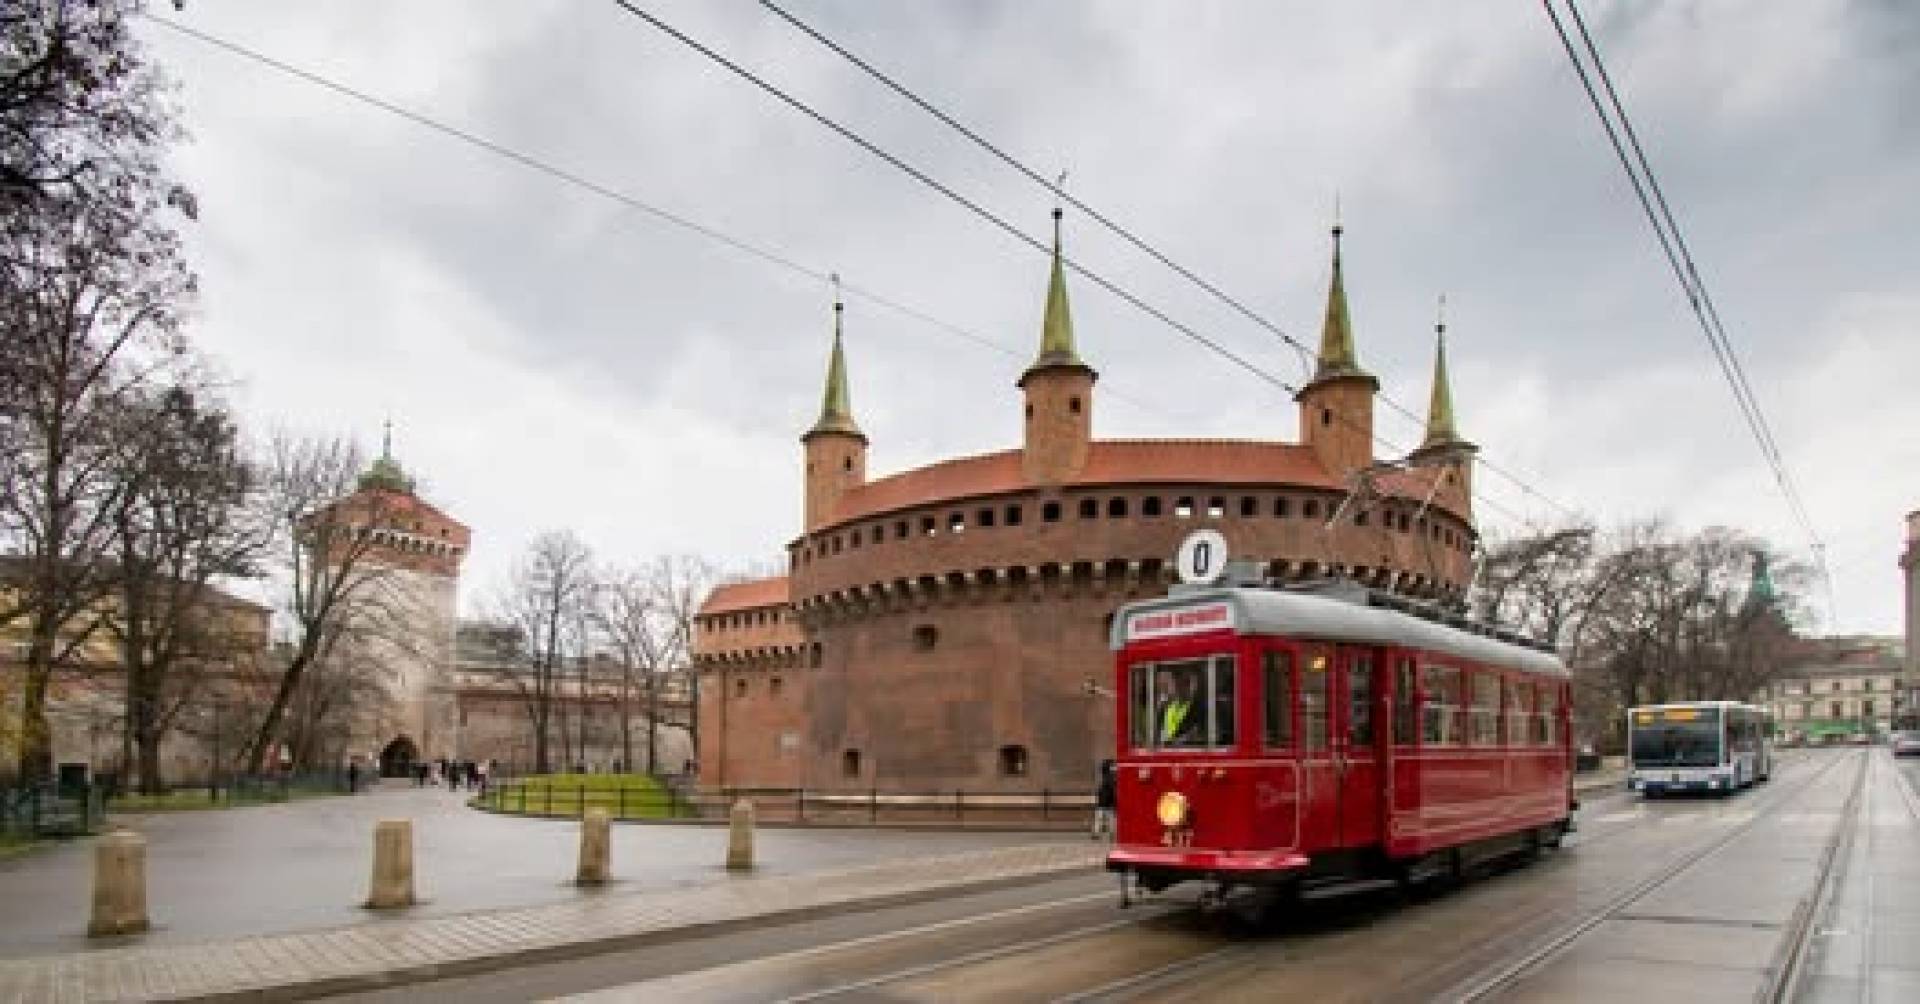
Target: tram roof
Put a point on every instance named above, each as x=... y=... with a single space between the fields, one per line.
x=1344 y=618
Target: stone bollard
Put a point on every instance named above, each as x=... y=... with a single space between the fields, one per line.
x=596 y=848
x=119 y=885
x=392 y=865
x=740 y=837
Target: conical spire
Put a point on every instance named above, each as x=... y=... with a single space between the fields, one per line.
x=1440 y=427
x=836 y=412
x=1056 y=329
x=1337 y=357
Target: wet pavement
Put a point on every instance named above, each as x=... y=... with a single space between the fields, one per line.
x=1687 y=899
x=305 y=865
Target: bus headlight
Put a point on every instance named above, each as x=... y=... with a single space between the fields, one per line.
x=1173 y=810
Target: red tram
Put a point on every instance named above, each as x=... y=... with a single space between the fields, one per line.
x=1281 y=737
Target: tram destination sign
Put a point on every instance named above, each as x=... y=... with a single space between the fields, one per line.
x=1196 y=619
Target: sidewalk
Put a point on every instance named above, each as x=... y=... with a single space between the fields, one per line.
x=401 y=949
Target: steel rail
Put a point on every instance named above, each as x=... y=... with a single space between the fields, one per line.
x=1492 y=982
x=1783 y=975
x=983 y=955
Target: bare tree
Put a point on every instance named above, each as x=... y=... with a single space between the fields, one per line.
x=186 y=518
x=548 y=599
x=646 y=615
x=92 y=287
x=329 y=536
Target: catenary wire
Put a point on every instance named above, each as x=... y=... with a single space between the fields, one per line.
x=774 y=258
x=1117 y=229
x=604 y=191
x=1001 y=223
x=1654 y=205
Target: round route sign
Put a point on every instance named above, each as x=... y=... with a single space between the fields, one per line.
x=1203 y=557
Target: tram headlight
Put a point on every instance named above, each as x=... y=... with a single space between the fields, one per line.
x=1173 y=809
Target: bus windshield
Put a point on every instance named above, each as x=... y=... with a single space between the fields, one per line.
x=1670 y=740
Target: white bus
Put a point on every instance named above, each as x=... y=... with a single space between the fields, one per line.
x=1698 y=746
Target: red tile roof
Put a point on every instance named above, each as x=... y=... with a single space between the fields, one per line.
x=748 y=595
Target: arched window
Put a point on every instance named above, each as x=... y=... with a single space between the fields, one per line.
x=1073 y=405
x=739 y=688
x=850 y=763
x=774 y=686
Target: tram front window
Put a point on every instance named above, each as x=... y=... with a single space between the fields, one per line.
x=1670 y=742
x=1185 y=704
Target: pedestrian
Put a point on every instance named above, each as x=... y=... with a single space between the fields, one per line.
x=1104 y=800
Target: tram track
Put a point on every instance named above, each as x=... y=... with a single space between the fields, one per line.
x=1494 y=981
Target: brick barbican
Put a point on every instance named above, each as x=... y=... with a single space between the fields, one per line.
x=940 y=627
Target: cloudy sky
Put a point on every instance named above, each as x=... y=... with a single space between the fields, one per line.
x=552 y=357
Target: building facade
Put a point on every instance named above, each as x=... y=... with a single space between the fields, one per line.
x=946 y=627
x=1838 y=687
x=229 y=660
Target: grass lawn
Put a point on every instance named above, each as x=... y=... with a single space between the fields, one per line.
x=626 y=796
x=12 y=846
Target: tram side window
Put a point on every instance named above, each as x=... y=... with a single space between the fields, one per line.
x=1550 y=716
x=1277 y=668
x=1360 y=701
x=1441 y=715
x=1405 y=720
x=1313 y=703
x=1485 y=718
x=1141 y=701
x=1518 y=698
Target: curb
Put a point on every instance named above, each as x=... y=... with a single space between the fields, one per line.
x=405 y=975
x=1065 y=826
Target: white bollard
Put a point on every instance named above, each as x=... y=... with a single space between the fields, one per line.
x=596 y=848
x=392 y=865
x=119 y=885
x=740 y=837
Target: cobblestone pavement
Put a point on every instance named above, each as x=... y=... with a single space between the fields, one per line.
x=305 y=865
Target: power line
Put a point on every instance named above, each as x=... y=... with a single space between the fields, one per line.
x=770 y=257
x=1673 y=246
x=1094 y=214
x=989 y=216
x=601 y=190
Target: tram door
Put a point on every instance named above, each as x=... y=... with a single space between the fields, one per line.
x=1319 y=770
x=1356 y=747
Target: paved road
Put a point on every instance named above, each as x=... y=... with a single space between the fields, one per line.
x=305 y=865
x=1656 y=930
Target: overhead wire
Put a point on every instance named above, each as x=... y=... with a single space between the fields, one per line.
x=997 y=221
x=1673 y=247
x=602 y=190
x=1140 y=244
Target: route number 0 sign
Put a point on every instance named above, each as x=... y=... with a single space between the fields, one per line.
x=1203 y=557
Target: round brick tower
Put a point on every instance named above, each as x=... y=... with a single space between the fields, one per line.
x=945 y=627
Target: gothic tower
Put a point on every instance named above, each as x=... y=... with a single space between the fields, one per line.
x=1336 y=406
x=1058 y=389
x=836 y=449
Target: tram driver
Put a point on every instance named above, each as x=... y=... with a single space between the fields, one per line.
x=1181 y=716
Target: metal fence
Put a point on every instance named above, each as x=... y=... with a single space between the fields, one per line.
x=29 y=813
x=797 y=805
